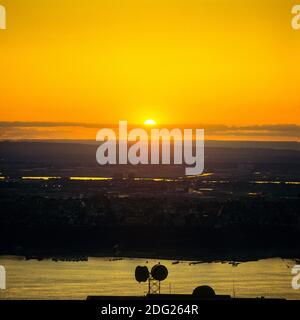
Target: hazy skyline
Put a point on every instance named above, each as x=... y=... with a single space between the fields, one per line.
x=79 y=130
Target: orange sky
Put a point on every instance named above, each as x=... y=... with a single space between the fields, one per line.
x=225 y=62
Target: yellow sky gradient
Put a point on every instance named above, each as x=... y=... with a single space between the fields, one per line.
x=226 y=62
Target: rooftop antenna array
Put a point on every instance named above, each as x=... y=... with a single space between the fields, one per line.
x=154 y=277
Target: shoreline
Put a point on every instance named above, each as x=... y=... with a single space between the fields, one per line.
x=192 y=257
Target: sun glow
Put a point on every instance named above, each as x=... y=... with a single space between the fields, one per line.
x=150 y=122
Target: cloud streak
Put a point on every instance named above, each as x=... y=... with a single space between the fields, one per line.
x=32 y=130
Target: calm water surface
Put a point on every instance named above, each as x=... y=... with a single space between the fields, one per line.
x=99 y=276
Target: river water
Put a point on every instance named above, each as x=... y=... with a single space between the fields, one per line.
x=101 y=276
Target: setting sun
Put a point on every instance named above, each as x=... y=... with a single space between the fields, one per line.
x=150 y=122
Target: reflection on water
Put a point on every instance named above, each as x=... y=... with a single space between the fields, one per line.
x=157 y=179
x=40 y=178
x=75 y=280
x=90 y=178
x=276 y=182
x=110 y=178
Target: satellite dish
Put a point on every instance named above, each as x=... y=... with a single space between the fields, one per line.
x=204 y=292
x=159 y=272
x=141 y=274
